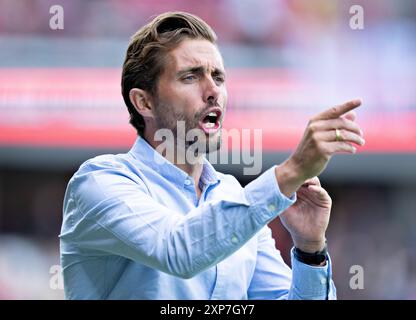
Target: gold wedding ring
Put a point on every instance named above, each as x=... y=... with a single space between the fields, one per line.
x=338 y=136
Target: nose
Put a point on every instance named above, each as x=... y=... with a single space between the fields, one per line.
x=211 y=91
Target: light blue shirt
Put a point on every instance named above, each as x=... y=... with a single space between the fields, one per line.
x=134 y=228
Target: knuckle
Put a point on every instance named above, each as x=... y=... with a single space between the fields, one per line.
x=333 y=110
x=312 y=127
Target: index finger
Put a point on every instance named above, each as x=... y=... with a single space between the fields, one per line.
x=336 y=112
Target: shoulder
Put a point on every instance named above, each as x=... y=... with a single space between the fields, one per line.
x=121 y=164
x=103 y=171
x=103 y=162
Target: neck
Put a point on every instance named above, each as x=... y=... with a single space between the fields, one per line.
x=179 y=159
x=193 y=170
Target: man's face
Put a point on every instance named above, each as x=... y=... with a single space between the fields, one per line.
x=192 y=89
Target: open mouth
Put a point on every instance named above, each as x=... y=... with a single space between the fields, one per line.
x=210 y=123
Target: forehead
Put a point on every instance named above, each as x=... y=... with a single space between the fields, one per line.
x=195 y=53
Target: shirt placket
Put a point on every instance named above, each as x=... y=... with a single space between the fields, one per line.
x=190 y=191
x=219 y=291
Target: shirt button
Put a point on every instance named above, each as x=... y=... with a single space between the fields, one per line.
x=323 y=281
x=187 y=182
x=272 y=207
x=234 y=239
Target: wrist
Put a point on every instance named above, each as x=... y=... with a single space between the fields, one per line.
x=309 y=246
x=288 y=177
x=317 y=258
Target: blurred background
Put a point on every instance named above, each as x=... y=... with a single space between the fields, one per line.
x=61 y=103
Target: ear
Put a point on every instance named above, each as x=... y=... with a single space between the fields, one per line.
x=142 y=101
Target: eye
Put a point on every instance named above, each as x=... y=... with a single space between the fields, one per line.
x=219 y=78
x=189 y=78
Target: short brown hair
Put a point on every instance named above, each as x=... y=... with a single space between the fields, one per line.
x=147 y=51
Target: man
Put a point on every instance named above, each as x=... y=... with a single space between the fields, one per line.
x=151 y=224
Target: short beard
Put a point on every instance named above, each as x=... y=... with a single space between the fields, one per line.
x=167 y=118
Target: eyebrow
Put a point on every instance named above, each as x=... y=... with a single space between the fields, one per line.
x=199 y=70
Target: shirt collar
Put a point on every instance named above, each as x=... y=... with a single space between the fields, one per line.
x=146 y=154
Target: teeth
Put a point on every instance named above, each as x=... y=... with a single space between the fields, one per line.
x=209 y=125
x=212 y=114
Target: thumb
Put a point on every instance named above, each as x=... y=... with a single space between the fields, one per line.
x=319 y=192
